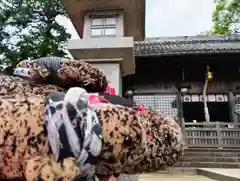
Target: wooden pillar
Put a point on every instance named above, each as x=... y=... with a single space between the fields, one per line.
x=180 y=109
x=232 y=107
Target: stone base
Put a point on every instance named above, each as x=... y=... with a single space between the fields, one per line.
x=125 y=177
x=220 y=174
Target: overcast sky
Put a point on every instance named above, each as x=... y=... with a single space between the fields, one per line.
x=171 y=18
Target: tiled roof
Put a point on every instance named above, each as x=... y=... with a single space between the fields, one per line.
x=187 y=45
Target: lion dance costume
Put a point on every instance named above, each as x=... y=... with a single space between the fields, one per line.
x=56 y=124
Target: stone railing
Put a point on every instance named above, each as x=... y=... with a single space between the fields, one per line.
x=212 y=134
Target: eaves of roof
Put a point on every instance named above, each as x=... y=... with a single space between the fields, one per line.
x=187 y=45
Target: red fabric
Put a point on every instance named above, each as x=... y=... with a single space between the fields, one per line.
x=110 y=90
x=140 y=108
x=102 y=99
x=149 y=138
x=93 y=98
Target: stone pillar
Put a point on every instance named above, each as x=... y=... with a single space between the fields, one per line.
x=114 y=55
x=113 y=72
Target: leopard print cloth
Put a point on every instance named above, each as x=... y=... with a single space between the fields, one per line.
x=14 y=85
x=24 y=148
x=66 y=73
x=124 y=138
x=166 y=146
x=123 y=133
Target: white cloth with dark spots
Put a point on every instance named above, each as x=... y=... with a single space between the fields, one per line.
x=74 y=129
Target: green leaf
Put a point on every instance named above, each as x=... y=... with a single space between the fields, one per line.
x=28 y=29
x=226 y=17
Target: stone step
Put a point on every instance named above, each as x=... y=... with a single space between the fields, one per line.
x=211 y=154
x=220 y=174
x=178 y=170
x=125 y=177
x=209 y=159
x=212 y=150
x=172 y=177
x=208 y=164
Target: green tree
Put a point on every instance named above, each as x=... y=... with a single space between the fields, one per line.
x=28 y=29
x=226 y=17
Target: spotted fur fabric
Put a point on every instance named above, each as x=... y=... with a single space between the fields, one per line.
x=163 y=150
x=125 y=149
x=124 y=138
x=166 y=146
x=66 y=73
x=14 y=85
x=24 y=145
x=24 y=150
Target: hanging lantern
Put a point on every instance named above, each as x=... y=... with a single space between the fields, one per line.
x=209 y=75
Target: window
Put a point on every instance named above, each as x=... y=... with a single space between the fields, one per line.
x=103 y=26
x=163 y=102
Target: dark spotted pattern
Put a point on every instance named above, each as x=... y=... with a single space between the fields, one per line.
x=69 y=74
x=128 y=156
x=14 y=85
x=24 y=149
x=124 y=138
x=167 y=144
x=23 y=138
x=24 y=146
x=46 y=169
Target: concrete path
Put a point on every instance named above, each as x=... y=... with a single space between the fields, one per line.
x=174 y=177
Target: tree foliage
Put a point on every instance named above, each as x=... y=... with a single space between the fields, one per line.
x=28 y=29
x=226 y=17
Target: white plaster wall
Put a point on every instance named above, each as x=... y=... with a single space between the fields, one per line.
x=102 y=42
x=113 y=73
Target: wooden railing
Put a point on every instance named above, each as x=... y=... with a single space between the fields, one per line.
x=212 y=134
